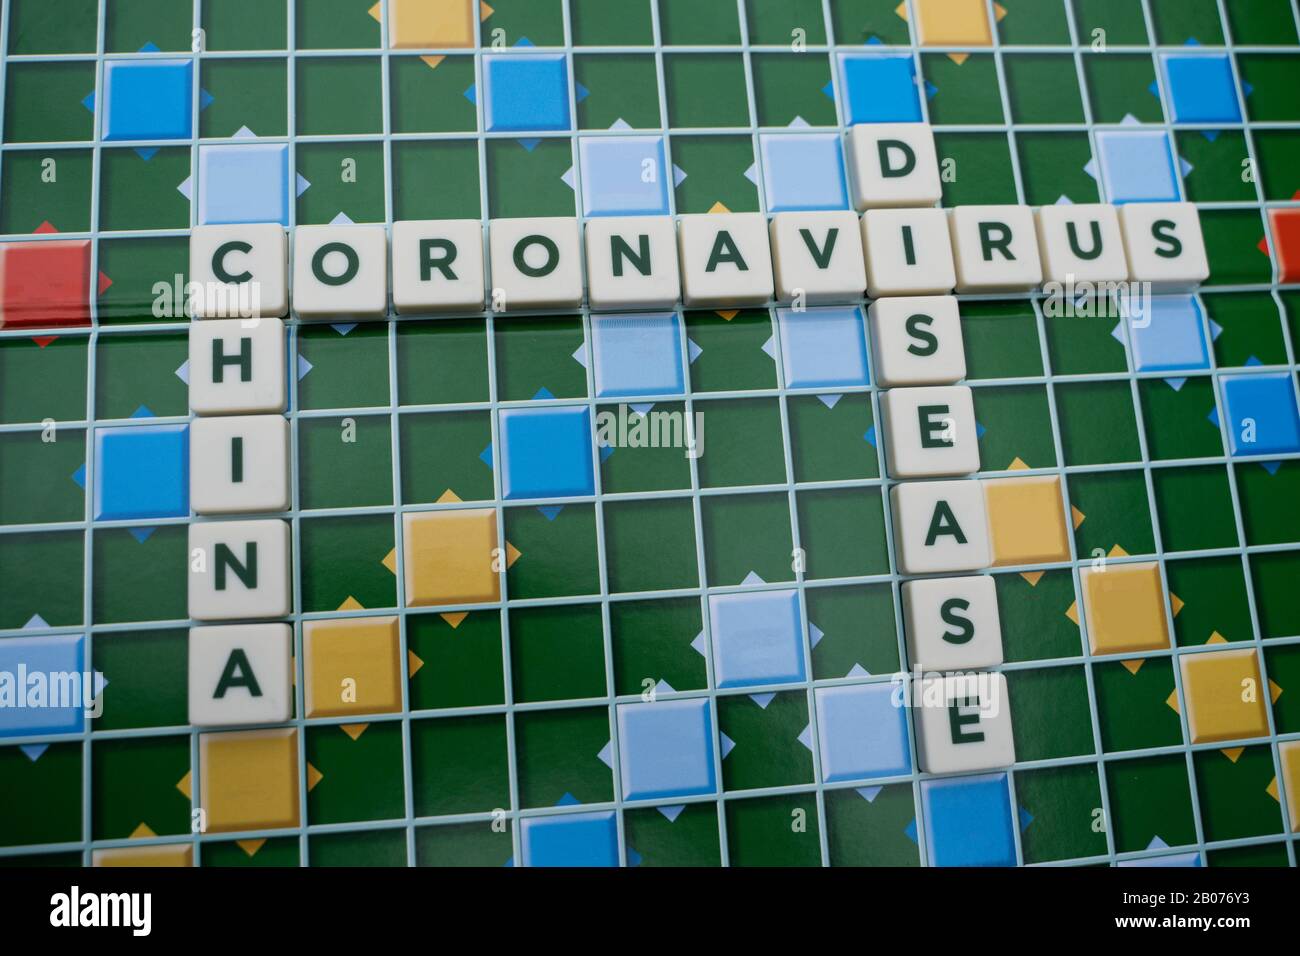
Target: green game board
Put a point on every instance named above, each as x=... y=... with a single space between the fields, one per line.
x=509 y=712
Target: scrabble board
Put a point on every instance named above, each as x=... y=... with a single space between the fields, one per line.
x=741 y=597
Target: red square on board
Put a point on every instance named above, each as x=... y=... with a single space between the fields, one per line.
x=1285 y=224
x=44 y=284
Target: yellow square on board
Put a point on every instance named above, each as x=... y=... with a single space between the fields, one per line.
x=450 y=557
x=352 y=666
x=424 y=24
x=249 y=779
x=1224 y=695
x=1290 y=754
x=1026 y=520
x=1125 y=608
x=162 y=854
x=953 y=22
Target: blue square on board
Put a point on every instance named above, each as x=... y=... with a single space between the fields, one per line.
x=546 y=452
x=573 y=839
x=151 y=99
x=757 y=638
x=637 y=355
x=241 y=183
x=1262 y=414
x=823 y=347
x=526 y=92
x=665 y=749
x=803 y=171
x=968 y=821
x=623 y=176
x=142 y=471
x=863 y=733
x=59 y=714
x=880 y=88
x=1169 y=335
x=1200 y=88
x=1137 y=166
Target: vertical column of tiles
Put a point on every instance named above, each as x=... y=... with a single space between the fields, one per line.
x=240 y=669
x=909 y=253
x=929 y=430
